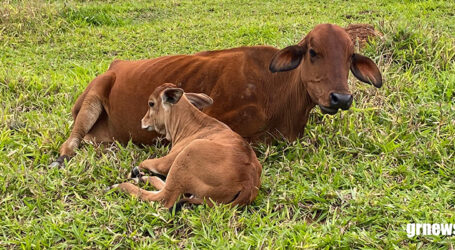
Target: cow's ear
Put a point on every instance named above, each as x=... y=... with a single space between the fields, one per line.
x=287 y=59
x=199 y=100
x=171 y=95
x=366 y=70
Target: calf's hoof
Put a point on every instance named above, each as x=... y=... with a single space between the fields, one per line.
x=109 y=188
x=59 y=162
x=178 y=207
x=135 y=173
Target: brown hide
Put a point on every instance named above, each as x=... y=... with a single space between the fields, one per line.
x=251 y=99
x=208 y=161
x=247 y=96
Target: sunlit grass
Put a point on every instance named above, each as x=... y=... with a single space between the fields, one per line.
x=353 y=180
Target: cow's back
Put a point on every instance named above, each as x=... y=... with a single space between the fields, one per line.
x=233 y=78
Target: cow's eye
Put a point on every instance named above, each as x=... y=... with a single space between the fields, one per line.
x=313 y=53
x=151 y=104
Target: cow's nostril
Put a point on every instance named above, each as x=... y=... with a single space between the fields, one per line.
x=333 y=99
x=342 y=101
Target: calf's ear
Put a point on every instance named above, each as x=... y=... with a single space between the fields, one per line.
x=199 y=100
x=366 y=70
x=287 y=58
x=171 y=95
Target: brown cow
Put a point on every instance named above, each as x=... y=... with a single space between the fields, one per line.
x=259 y=91
x=208 y=160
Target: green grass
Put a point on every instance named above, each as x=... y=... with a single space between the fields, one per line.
x=353 y=180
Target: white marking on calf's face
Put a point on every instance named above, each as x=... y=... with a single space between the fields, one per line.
x=154 y=118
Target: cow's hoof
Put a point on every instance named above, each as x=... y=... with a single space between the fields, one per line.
x=135 y=173
x=59 y=162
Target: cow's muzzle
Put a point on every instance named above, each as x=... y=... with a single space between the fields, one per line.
x=342 y=101
x=337 y=101
x=327 y=110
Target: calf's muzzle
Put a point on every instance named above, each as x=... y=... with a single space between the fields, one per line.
x=146 y=126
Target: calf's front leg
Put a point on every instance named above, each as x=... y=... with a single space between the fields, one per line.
x=159 y=166
x=155 y=181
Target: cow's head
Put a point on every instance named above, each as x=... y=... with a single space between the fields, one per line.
x=324 y=58
x=161 y=103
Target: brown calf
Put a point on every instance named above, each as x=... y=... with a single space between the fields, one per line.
x=260 y=91
x=208 y=160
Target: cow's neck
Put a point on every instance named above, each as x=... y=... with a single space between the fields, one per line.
x=184 y=121
x=289 y=104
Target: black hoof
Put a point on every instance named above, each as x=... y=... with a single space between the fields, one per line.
x=162 y=177
x=59 y=162
x=109 y=188
x=135 y=173
x=177 y=206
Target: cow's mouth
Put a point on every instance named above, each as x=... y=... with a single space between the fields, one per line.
x=327 y=110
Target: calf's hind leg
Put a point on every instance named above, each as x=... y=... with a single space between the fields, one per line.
x=165 y=196
x=87 y=115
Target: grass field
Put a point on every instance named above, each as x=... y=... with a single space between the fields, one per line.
x=353 y=180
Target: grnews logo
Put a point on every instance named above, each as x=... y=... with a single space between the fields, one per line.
x=414 y=229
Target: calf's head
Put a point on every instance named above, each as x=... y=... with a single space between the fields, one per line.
x=162 y=104
x=323 y=59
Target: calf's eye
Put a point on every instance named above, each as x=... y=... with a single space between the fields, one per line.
x=313 y=53
x=151 y=104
